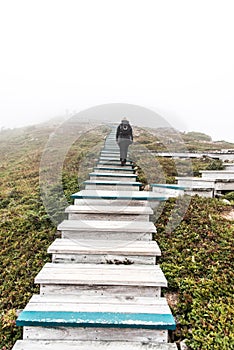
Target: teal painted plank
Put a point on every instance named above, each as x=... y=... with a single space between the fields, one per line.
x=118 y=196
x=170 y=186
x=95 y=319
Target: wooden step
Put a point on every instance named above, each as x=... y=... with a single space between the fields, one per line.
x=95 y=303
x=217 y=174
x=194 y=182
x=229 y=166
x=169 y=190
x=201 y=192
x=110 y=230
x=112 y=176
x=126 y=195
x=109 y=169
x=121 y=204
x=98 y=313
x=104 y=252
x=90 y=345
x=113 y=158
x=100 y=226
x=110 y=153
x=109 y=150
x=109 y=212
x=112 y=185
x=123 y=199
x=92 y=279
x=113 y=162
x=115 y=165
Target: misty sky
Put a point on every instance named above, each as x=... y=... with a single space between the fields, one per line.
x=174 y=57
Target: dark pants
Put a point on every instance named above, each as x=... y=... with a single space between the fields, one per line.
x=123 y=146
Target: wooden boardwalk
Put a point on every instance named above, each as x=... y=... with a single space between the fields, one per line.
x=102 y=290
x=212 y=183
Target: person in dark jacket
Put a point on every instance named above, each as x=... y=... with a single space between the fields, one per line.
x=124 y=138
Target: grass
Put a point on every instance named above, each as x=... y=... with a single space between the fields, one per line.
x=198 y=263
x=26 y=229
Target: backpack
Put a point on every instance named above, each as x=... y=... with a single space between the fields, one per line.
x=125 y=130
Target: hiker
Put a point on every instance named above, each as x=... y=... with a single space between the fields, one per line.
x=124 y=138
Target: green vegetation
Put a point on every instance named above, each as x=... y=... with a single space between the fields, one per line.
x=25 y=228
x=196 y=255
x=198 y=136
x=230 y=197
x=198 y=262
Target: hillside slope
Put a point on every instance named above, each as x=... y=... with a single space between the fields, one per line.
x=197 y=255
x=26 y=229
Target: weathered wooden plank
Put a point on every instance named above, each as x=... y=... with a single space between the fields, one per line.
x=194 y=182
x=108 y=217
x=217 y=174
x=224 y=185
x=117 y=183
x=113 y=162
x=202 y=192
x=106 y=226
x=112 y=202
x=110 y=187
x=103 y=259
x=80 y=274
x=114 y=170
x=127 y=248
x=169 y=190
x=103 y=252
x=112 y=176
x=122 y=236
x=109 y=209
x=108 y=176
x=97 y=334
x=93 y=268
x=109 y=150
x=229 y=166
x=114 y=300
x=116 y=165
x=90 y=345
x=111 y=304
x=107 y=229
x=90 y=290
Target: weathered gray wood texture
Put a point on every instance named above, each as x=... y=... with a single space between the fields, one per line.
x=90 y=345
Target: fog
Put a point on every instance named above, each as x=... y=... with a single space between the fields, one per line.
x=173 y=57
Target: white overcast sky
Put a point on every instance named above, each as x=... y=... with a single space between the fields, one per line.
x=175 y=57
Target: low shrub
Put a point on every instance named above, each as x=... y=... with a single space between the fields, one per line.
x=197 y=259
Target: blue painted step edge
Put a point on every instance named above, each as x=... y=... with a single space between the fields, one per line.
x=170 y=186
x=96 y=319
x=118 y=196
